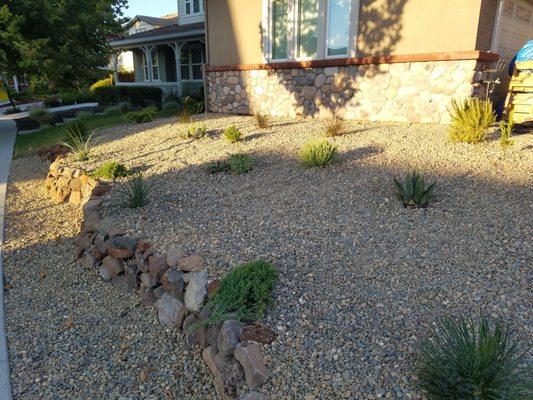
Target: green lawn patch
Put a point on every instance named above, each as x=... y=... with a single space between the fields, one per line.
x=31 y=143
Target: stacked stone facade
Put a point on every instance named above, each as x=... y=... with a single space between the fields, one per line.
x=406 y=91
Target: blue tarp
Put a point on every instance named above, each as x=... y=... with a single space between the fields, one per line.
x=525 y=53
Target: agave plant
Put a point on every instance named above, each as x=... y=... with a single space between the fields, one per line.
x=413 y=192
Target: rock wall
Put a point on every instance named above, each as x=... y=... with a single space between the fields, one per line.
x=176 y=283
x=64 y=183
x=407 y=92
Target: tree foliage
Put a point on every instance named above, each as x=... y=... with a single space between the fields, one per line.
x=60 y=42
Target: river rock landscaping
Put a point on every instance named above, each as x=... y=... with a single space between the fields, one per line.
x=361 y=279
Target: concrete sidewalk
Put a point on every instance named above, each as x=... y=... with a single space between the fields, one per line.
x=8 y=134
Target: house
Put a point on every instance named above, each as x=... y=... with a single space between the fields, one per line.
x=167 y=52
x=387 y=60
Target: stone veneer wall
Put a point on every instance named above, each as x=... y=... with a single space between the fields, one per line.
x=404 y=91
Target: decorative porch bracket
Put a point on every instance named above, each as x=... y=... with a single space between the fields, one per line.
x=176 y=47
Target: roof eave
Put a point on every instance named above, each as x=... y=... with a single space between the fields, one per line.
x=158 y=38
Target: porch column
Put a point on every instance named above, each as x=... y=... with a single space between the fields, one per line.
x=177 y=57
x=148 y=54
x=115 y=67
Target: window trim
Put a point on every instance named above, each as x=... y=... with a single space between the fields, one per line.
x=270 y=41
x=320 y=28
x=192 y=13
x=156 y=65
x=190 y=64
x=292 y=32
x=326 y=32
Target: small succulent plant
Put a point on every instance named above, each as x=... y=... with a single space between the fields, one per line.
x=413 y=192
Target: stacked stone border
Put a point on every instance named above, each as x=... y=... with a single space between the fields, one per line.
x=410 y=88
x=176 y=283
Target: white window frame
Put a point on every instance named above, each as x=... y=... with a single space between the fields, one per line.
x=296 y=23
x=146 y=68
x=326 y=31
x=190 y=64
x=191 y=3
x=156 y=64
x=323 y=31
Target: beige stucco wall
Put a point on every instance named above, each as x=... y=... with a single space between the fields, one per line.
x=385 y=27
x=234 y=31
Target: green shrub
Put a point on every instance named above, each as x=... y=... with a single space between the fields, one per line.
x=196 y=131
x=506 y=131
x=84 y=114
x=106 y=82
x=125 y=106
x=68 y=98
x=413 y=193
x=262 y=120
x=111 y=170
x=466 y=359
x=135 y=192
x=170 y=106
x=245 y=291
x=240 y=163
x=137 y=96
x=470 y=120
x=79 y=139
x=51 y=101
x=232 y=134
x=143 y=115
x=113 y=110
x=317 y=153
x=334 y=127
x=214 y=167
x=41 y=115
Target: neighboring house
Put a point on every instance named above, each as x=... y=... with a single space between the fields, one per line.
x=389 y=60
x=167 y=52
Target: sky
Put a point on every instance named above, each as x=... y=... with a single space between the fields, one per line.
x=152 y=8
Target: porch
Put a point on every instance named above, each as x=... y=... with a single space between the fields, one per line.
x=171 y=58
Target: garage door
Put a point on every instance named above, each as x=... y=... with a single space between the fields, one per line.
x=516 y=26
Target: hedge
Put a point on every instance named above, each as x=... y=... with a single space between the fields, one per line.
x=137 y=96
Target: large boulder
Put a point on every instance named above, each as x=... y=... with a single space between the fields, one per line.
x=196 y=291
x=174 y=254
x=173 y=282
x=229 y=336
x=110 y=268
x=158 y=266
x=170 y=311
x=122 y=247
x=191 y=263
x=251 y=359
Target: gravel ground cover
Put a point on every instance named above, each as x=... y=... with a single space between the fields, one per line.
x=361 y=278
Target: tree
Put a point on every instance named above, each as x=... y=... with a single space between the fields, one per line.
x=61 y=42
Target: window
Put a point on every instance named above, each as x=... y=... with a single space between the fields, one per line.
x=508 y=8
x=191 y=60
x=338 y=28
x=194 y=7
x=307 y=28
x=523 y=15
x=145 y=67
x=155 y=65
x=279 y=28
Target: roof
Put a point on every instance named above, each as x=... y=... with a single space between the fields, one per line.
x=157 y=21
x=170 y=32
